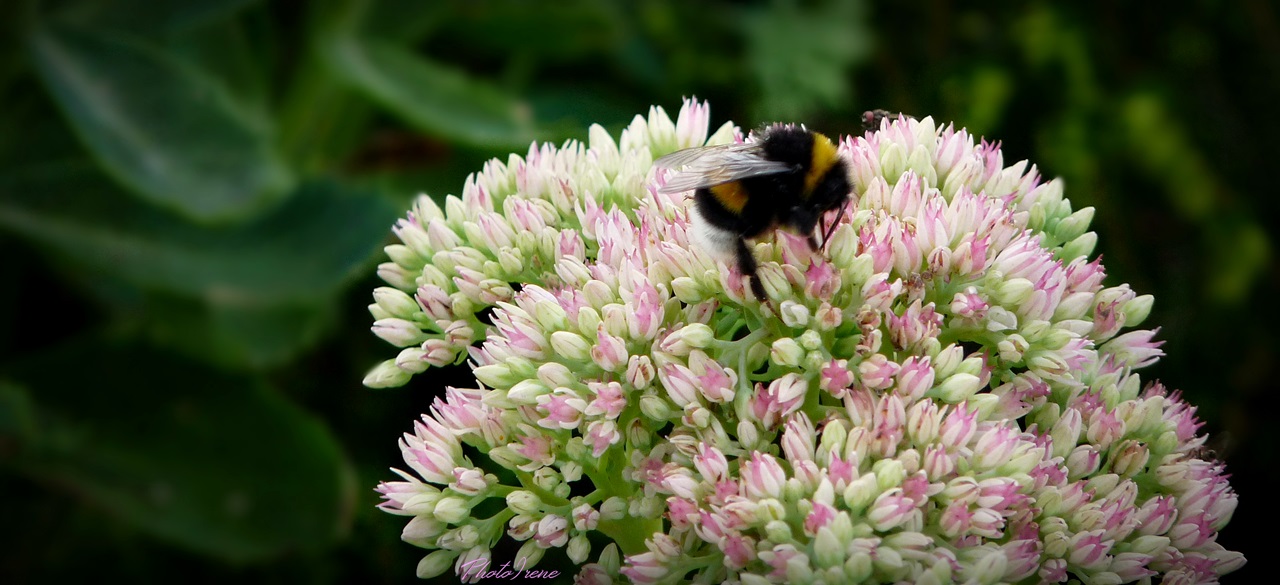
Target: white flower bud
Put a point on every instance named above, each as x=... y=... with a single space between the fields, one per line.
x=793 y=314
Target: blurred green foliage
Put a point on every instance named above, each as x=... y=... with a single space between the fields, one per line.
x=193 y=194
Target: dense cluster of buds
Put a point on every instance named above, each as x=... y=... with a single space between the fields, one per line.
x=943 y=394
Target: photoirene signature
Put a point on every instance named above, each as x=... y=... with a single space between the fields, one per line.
x=479 y=569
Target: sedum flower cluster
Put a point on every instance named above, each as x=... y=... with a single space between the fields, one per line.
x=945 y=393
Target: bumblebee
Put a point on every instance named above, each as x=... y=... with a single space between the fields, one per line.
x=784 y=176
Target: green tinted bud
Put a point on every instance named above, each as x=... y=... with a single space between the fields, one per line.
x=1074 y=225
x=386 y=375
x=786 y=352
x=571 y=346
x=957 y=388
x=1081 y=246
x=395 y=302
x=889 y=473
x=1014 y=291
x=436 y=563
x=687 y=289
x=613 y=508
x=1137 y=309
x=655 y=407
x=529 y=555
x=778 y=531
x=697 y=335
x=496 y=376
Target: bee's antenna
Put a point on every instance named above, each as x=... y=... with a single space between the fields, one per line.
x=831 y=227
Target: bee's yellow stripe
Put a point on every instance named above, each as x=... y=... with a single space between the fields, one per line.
x=824 y=156
x=731 y=195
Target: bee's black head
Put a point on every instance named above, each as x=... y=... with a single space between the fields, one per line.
x=788 y=143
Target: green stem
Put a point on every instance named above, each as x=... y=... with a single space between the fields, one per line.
x=630 y=533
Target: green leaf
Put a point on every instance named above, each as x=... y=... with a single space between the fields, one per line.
x=224 y=332
x=159 y=126
x=431 y=96
x=217 y=464
x=304 y=250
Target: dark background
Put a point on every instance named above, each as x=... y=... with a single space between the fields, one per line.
x=194 y=194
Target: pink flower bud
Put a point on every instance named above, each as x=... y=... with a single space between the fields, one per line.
x=1089 y=551
x=609 y=352
x=1135 y=348
x=399 y=332
x=937 y=463
x=762 y=476
x=914 y=378
x=716 y=382
x=738 y=550
x=600 y=435
x=646 y=314
x=644 y=569
x=877 y=372
x=958 y=427
x=563 y=409
x=609 y=400
x=821 y=516
x=836 y=378
x=640 y=371
x=585 y=518
x=1104 y=427
x=890 y=509
x=798 y=438
x=681 y=384
x=994 y=447
x=1082 y=462
x=711 y=463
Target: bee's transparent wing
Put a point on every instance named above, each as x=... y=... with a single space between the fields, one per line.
x=715 y=165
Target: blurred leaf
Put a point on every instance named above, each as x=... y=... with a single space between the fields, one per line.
x=159 y=126
x=989 y=89
x=431 y=96
x=1160 y=146
x=1240 y=255
x=34 y=131
x=566 y=31
x=801 y=56
x=573 y=109
x=173 y=16
x=403 y=20
x=238 y=56
x=17 y=414
x=302 y=250
x=227 y=332
x=217 y=464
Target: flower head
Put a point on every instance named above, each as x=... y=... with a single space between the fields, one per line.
x=946 y=392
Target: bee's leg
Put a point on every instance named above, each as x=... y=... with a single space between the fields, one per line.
x=747 y=266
